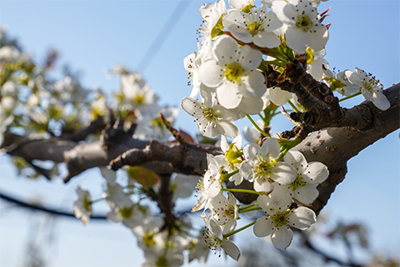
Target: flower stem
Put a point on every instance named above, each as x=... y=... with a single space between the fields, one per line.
x=239 y=230
x=293 y=106
x=350 y=96
x=257 y=127
x=250 y=209
x=242 y=191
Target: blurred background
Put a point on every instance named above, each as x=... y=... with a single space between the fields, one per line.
x=153 y=38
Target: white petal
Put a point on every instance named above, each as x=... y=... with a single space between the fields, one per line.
x=192 y=106
x=249 y=58
x=262 y=185
x=227 y=128
x=319 y=36
x=211 y=73
x=302 y=218
x=231 y=249
x=306 y=194
x=251 y=151
x=297 y=160
x=283 y=173
x=315 y=173
x=246 y=170
x=251 y=105
x=263 y=227
x=380 y=101
x=254 y=84
x=297 y=39
x=225 y=49
x=214 y=189
x=279 y=96
x=228 y=95
x=282 y=237
x=266 y=39
x=271 y=146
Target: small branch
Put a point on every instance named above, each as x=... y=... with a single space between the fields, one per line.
x=38 y=207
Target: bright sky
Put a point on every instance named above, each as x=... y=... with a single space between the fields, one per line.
x=94 y=35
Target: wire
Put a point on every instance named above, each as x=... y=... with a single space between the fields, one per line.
x=162 y=35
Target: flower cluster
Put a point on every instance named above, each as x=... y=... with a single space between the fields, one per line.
x=126 y=206
x=238 y=48
x=284 y=182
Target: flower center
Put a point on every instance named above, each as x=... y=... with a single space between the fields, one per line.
x=297 y=183
x=254 y=27
x=139 y=99
x=233 y=155
x=87 y=204
x=368 y=86
x=213 y=242
x=263 y=168
x=233 y=72
x=303 y=22
x=148 y=239
x=209 y=113
x=125 y=213
x=280 y=218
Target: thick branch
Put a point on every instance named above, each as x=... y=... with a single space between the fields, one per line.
x=186 y=158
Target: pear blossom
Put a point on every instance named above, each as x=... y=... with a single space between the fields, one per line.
x=82 y=207
x=210 y=186
x=211 y=14
x=213 y=235
x=309 y=175
x=261 y=166
x=256 y=26
x=280 y=219
x=302 y=22
x=233 y=72
x=127 y=212
x=198 y=249
x=225 y=211
x=371 y=89
x=212 y=119
x=136 y=92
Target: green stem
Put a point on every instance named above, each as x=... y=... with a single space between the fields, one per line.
x=293 y=106
x=96 y=200
x=257 y=127
x=226 y=176
x=241 y=191
x=250 y=209
x=238 y=230
x=350 y=96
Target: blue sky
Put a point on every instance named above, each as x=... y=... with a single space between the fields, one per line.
x=94 y=35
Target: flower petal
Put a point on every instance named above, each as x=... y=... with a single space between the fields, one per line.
x=297 y=39
x=282 y=237
x=302 y=218
x=263 y=227
x=315 y=173
x=231 y=249
x=228 y=95
x=211 y=73
x=306 y=194
x=283 y=173
x=225 y=49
